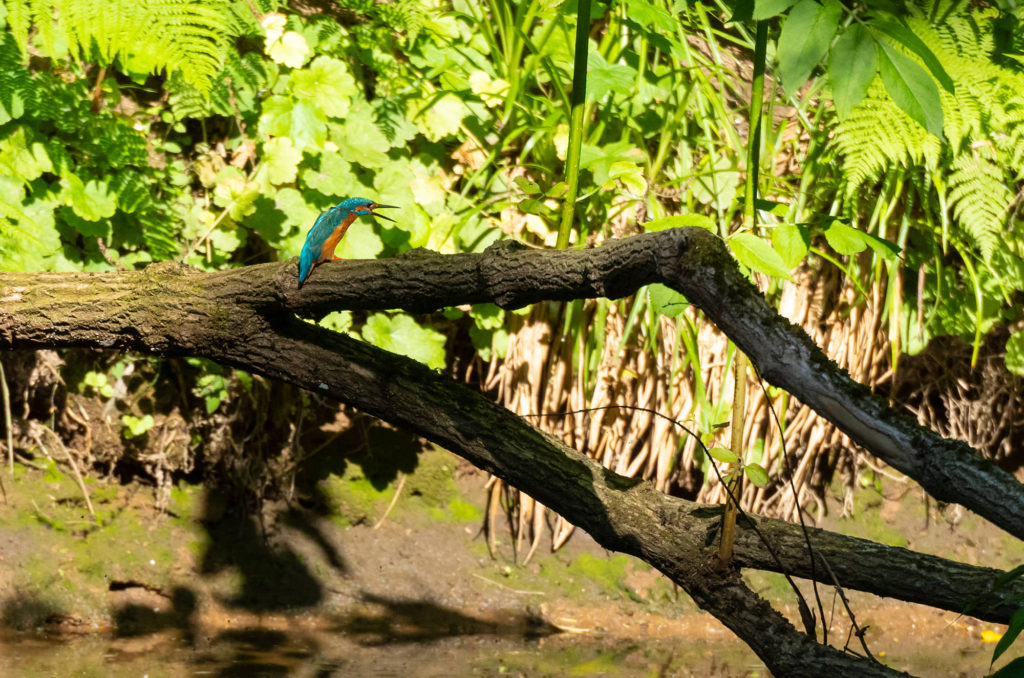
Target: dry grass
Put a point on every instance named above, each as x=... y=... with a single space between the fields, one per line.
x=544 y=372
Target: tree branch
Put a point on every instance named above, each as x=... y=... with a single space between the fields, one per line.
x=690 y=260
x=243 y=318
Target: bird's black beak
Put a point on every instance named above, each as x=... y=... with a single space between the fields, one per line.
x=377 y=207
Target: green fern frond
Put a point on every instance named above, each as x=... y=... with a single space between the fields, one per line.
x=877 y=135
x=184 y=36
x=242 y=77
x=130 y=190
x=160 y=233
x=983 y=120
x=980 y=199
x=18 y=91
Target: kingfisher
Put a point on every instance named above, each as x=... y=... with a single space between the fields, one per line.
x=329 y=229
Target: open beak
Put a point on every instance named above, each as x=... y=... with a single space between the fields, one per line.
x=377 y=207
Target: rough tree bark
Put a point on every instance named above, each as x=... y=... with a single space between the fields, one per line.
x=246 y=318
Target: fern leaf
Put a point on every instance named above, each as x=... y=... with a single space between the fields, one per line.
x=184 y=36
x=980 y=200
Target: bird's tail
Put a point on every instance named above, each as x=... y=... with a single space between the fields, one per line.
x=306 y=261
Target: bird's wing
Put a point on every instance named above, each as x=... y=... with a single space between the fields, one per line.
x=322 y=229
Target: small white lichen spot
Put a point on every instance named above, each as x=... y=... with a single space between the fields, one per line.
x=324 y=386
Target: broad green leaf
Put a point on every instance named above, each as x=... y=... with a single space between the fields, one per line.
x=766 y=9
x=227 y=238
x=308 y=126
x=281 y=160
x=911 y=88
x=681 y=220
x=804 y=40
x=392 y=184
x=327 y=83
x=779 y=209
x=290 y=49
x=630 y=174
x=438 y=117
x=756 y=254
x=234 y=191
x=1015 y=353
x=756 y=474
x=911 y=41
x=492 y=90
x=359 y=140
x=791 y=242
x=91 y=201
x=337 y=321
x=89 y=229
x=22 y=160
x=499 y=343
x=1013 y=630
x=557 y=190
x=360 y=242
x=716 y=182
x=333 y=177
x=297 y=212
x=482 y=341
x=851 y=68
x=527 y=186
x=603 y=77
x=428 y=186
x=845 y=239
x=646 y=14
x=889 y=251
x=487 y=316
x=401 y=334
x=302 y=122
x=665 y=300
x=12 y=193
x=724 y=455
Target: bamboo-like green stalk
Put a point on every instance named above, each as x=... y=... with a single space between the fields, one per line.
x=579 y=101
x=740 y=364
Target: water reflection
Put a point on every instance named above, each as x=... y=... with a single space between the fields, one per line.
x=405 y=639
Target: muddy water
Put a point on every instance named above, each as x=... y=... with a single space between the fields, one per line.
x=254 y=652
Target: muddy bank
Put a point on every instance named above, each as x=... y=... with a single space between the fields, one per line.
x=356 y=571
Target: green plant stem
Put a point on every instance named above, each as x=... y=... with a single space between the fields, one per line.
x=739 y=401
x=754 y=134
x=579 y=100
x=740 y=364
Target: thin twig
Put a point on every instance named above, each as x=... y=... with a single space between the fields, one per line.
x=394 y=500
x=508 y=588
x=853 y=620
x=7 y=419
x=74 y=467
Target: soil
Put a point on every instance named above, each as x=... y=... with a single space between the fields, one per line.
x=334 y=582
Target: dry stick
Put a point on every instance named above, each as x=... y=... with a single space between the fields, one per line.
x=7 y=420
x=805 y=612
x=508 y=588
x=74 y=467
x=842 y=596
x=735 y=488
x=394 y=500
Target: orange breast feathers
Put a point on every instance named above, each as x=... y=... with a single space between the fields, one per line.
x=327 y=250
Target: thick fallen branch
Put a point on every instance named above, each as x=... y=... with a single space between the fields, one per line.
x=244 y=318
x=692 y=261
